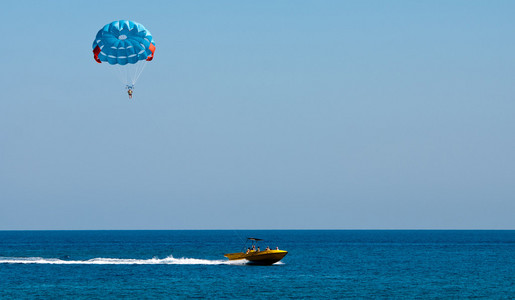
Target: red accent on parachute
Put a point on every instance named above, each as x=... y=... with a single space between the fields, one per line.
x=96 y=51
x=152 y=48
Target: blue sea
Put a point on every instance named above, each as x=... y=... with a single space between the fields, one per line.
x=427 y=264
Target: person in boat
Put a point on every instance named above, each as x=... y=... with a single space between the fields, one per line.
x=267 y=248
x=258 y=249
x=248 y=250
x=276 y=248
x=253 y=247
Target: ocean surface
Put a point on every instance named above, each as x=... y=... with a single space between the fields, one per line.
x=330 y=264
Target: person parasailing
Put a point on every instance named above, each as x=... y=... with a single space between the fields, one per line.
x=127 y=45
x=129 y=91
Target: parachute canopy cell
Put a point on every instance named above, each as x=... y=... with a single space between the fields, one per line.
x=123 y=42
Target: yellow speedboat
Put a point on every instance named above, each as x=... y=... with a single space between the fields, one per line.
x=258 y=256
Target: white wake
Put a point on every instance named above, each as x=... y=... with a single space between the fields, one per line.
x=170 y=260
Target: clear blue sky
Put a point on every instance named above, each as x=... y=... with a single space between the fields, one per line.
x=261 y=114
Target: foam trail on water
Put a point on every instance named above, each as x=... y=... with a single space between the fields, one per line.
x=170 y=260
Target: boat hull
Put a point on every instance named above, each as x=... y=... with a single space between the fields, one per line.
x=267 y=257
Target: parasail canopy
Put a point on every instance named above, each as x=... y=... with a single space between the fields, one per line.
x=127 y=46
x=123 y=42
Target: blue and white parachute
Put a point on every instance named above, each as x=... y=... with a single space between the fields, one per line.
x=124 y=43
